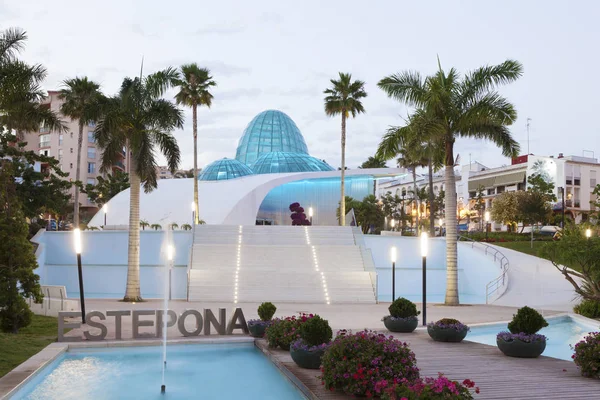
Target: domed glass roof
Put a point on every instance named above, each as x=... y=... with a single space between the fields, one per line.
x=221 y=170
x=269 y=131
x=288 y=162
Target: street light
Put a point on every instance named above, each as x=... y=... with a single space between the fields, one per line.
x=77 y=245
x=424 y=246
x=393 y=256
x=193 y=213
x=487 y=222
x=441 y=226
x=588 y=233
x=105 y=209
x=562 y=196
x=310 y=214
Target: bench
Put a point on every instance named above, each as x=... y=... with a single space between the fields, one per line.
x=55 y=300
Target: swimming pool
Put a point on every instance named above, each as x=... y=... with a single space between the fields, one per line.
x=562 y=332
x=194 y=371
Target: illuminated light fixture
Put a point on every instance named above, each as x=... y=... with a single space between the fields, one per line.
x=170 y=252
x=588 y=233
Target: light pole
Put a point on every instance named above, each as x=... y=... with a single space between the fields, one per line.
x=77 y=243
x=193 y=213
x=384 y=223
x=105 y=209
x=424 y=255
x=487 y=222
x=392 y=223
x=170 y=255
x=310 y=214
x=588 y=233
x=393 y=255
x=441 y=226
x=562 y=196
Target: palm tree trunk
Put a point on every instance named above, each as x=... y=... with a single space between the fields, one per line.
x=416 y=198
x=431 y=200
x=451 y=238
x=195 y=128
x=342 y=183
x=78 y=175
x=132 y=291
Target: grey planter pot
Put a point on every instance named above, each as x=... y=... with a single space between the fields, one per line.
x=257 y=330
x=307 y=359
x=517 y=348
x=446 y=335
x=405 y=325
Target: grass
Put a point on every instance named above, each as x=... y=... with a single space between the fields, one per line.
x=525 y=247
x=14 y=349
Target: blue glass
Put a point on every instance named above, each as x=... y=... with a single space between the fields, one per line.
x=269 y=131
x=221 y=170
x=193 y=372
x=279 y=161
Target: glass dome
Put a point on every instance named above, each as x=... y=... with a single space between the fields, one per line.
x=221 y=170
x=269 y=131
x=279 y=161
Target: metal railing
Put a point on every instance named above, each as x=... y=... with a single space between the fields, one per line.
x=367 y=258
x=497 y=286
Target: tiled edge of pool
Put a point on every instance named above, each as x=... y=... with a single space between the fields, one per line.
x=12 y=382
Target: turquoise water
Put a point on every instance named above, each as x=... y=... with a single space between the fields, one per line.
x=561 y=333
x=193 y=372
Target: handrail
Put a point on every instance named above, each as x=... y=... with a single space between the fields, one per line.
x=367 y=257
x=499 y=284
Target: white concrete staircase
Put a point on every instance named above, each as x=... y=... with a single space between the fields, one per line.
x=279 y=264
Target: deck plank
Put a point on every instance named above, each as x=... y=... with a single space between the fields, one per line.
x=498 y=376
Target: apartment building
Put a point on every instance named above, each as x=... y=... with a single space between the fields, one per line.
x=63 y=146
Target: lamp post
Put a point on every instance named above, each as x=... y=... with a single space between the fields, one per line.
x=424 y=256
x=562 y=196
x=170 y=255
x=441 y=226
x=487 y=222
x=77 y=243
x=310 y=214
x=392 y=223
x=393 y=255
x=588 y=233
x=193 y=213
x=105 y=209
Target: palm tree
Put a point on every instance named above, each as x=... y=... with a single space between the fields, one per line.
x=21 y=95
x=174 y=226
x=194 y=85
x=144 y=224
x=156 y=226
x=139 y=119
x=467 y=106
x=82 y=101
x=186 y=227
x=344 y=98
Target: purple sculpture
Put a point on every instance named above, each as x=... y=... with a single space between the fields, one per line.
x=298 y=216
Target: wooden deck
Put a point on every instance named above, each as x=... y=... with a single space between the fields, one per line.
x=498 y=376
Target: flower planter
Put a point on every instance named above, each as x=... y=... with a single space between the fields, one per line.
x=284 y=346
x=257 y=330
x=518 y=348
x=446 y=335
x=307 y=359
x=404 y=325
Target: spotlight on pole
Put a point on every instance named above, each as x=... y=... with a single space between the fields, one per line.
x=588 y=233
x=487 y=223
x=310 y=214
x=392 y=223
x=105 y=209
x=78 y=248
x=393 y=256
x=193 y=213
x=424 y=249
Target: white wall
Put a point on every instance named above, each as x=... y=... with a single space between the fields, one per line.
x=475 y=269
x=104 y=262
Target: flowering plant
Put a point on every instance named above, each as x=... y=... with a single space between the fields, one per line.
x=400 y=318
x=300 y=344
x=449 y=323
x=523 y=337
x=354 y=363
x=439 y=388
x=586 y=355
x=282 y=332
x=253 y=322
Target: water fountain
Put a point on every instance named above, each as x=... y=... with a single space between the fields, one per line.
x=169 y=253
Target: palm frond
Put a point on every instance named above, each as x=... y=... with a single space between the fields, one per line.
x=168 y=146
x=496 y=133
x=159 y=82
x=481 y=80
x=12 y=42
x=406 y=86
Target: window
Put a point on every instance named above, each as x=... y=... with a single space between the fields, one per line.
x=45 y=152
x=91 y=138
x=592 y=178
x=44 y=129
x=490 y=192
x=91 y=168
x=44 y=141
x=472 y=195
x=71 y=135
x=60 y=139
x=500 y=189
x=91 y=181
x=92 y=124
x=71 y=150
x=91 y=152
x=60 y=155
x=71 y=165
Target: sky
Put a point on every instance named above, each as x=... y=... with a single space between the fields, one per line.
x=282 y=54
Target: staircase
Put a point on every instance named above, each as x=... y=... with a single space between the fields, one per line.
x=314 y=264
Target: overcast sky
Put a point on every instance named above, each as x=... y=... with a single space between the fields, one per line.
x=281 y=55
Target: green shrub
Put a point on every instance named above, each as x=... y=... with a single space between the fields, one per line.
x=527 y=320
x=448 y=321
x=588 y=308
x=14 y=316
x=315 y=331
x=266 y=311
x=586 y=355
x=282 y=332
x=403 y=308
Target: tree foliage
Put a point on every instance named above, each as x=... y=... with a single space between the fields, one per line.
x=505 y=208
x=107 y=188
x=17 y=259
x=373 y=162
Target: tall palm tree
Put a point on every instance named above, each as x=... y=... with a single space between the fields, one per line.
x=141 y=120
x=82 y=101
x=459 y=106
x=21 y=95
x=344 y=98
x=194 y=84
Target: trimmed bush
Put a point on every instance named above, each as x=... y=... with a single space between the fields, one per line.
x=527 y=320
x=315 y=331
x=403 y=308
x=588 y=308
x=266 y=311
x=355 y=363
x=586 y=355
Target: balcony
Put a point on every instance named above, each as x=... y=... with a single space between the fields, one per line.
x=44 y=129
x=120 y=165
x=44 y=144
